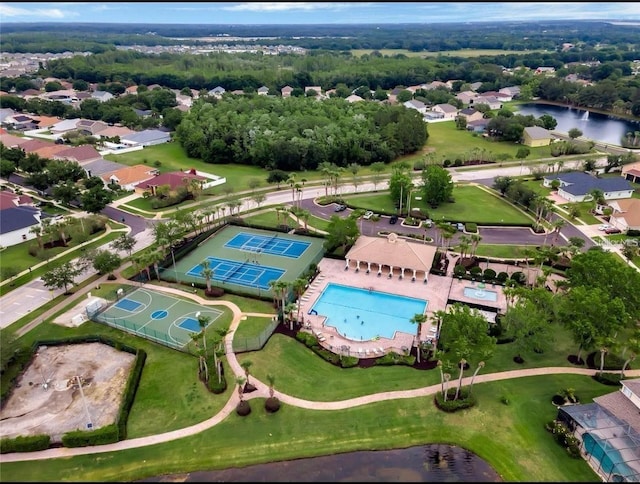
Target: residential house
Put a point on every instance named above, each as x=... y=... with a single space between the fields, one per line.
x=547 y=71
x=499 y=96
x=50 y=150
x=101 y=166
x=393 y=94
x=478 y=125
x=470 y=114
x=113 y=131
x=131 y=90
x=33 y=145
x=513 y=91
x=174 y=180
x=466 y=97
x=64 y=126
x=238 y=92
x=22 y=122
x=263 y=91
x=90 y=127
x=491 y=101
x=16 y=219
x=148 y=137
x=576 y=186
x=6 y=116
x=608 y=430
x=143 y=113
x=129 y=176
x=102 y=96
x=217 y=91
x=535 y=136
x=435 y=85
x=286 y=91
x=631 y=172
x=415 y=104
x=353 y=98
x=474 y=86
x=626 y=214
x=317 y=89
x=80 y=154
x=448 y=111
x=11 y=141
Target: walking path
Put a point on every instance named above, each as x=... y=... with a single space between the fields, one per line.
x=262 y=391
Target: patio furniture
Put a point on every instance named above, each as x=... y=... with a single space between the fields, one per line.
x=380 y=350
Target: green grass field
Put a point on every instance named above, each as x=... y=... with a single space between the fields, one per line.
x=447 y=53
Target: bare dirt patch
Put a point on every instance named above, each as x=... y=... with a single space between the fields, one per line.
x=48 y=400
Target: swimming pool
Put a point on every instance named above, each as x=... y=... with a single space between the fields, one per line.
x=482 y=294
x=361 y=314
x=611 y=462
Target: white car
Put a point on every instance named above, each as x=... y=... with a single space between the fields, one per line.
x=367 y=215
x=604 y=227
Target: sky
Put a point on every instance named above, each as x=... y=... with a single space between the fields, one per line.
x=312 y=12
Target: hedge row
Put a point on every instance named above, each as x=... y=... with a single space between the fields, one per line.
x=29 y=443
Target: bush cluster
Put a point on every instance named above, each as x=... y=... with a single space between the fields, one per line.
x=564 y=437
x=29 y=443
x=465 y=400
x=611 y=379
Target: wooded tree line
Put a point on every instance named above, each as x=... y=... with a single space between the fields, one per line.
x=299 y=133
x=435 y=37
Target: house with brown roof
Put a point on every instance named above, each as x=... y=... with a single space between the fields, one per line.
x=80 y=154
x=173 y=180
x=90 y=127
x=470 y=114
x=130 y=176
x=33 y=145
x=466 y=97
x=391 y=255
x=50 y=151
x=11 y=141
x=447 y=110
x=626 y=214
x=631 y=172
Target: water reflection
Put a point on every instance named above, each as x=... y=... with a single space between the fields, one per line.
x=427 y=463
x=595 y=126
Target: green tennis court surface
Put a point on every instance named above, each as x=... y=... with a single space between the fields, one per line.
x=157 y=316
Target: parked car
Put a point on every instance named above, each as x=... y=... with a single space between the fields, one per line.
x=367 y=215
x=612 y=230
x=428 y=222
x=393 y=219
x=603 y=226
x=460 y=227
x=340 y=208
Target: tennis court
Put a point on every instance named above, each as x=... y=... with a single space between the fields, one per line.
x=241 y=273
x=274 y=245
x=246 y=259
x=156 y=316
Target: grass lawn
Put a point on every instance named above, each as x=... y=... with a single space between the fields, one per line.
x=537 y=187
x=447 y=142
x=585 y=213
x=512 y=438
x=447 y=53
x=501 y=251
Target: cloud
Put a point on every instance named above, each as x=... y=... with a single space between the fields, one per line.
x=291 y=6
x=53 y=13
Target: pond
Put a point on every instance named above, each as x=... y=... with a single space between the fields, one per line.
x=426 y=463
x=595 y=126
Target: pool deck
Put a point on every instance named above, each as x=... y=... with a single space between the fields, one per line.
x=435 y=291
x=457 y=294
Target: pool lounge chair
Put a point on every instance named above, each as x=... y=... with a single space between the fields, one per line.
x=380 y=350
x=367 y=351
x=360 y=352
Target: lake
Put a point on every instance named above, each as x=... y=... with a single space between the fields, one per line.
x=425 y=463
x=595 y=126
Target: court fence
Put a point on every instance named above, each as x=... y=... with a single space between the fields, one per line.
x=241 y=345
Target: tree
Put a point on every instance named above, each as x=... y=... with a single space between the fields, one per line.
x=95 y=199
x=574 y=133
x=528 y=324
x=478 y=368
x=341 y=232
x=418 y=319
x=437 y=185
x=272 y=380
x=400 y=184
x=207 y=273
x=245 y=366
x=203 y=322
x=377 y=168
x=61 y=277
x=462 y=364
x=106 y=262
x=125 y=243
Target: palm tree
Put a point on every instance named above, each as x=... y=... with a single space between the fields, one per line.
x=271 y=379
x=475 y=241
x=462 y=363
x=418 y=319
x=37 y=231
x=203 y=322
x=447 y=377
x=480 y=365
x=438 y=318
x=288 y=310
x=246 y=365
x=439 y=364
x=240 y=382
x=464 y=243
x=299 y=285
x=207 y=273
x=557 y=227
x=202 y=361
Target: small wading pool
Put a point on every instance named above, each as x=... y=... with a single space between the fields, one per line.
x=362 y=314
x=479 y=293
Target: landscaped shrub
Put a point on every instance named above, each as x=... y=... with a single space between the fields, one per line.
x=608 y=378
x=489 y=274
x=558 y=400
x=471 y=227
x=518 y=277
x=611 y=361
x=214 y=292
x=348 y=361
x=244 y=408
x=393 y=358
x=459 y=270
x=81 y=438
x=475 y=271
x=272 y=404
x=29 y=443
x=502 y=277
x=465 y=400
x=419 y=165
x=564 y=437
x=215 y=386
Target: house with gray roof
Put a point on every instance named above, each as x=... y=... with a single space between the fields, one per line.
x=15 y=223
x=148 y=137
x=101 y=166
x=102 y=96
x=576 y=186
x=448 y=111
x=415 y=104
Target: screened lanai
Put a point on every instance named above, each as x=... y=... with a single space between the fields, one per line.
x=610 y=445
